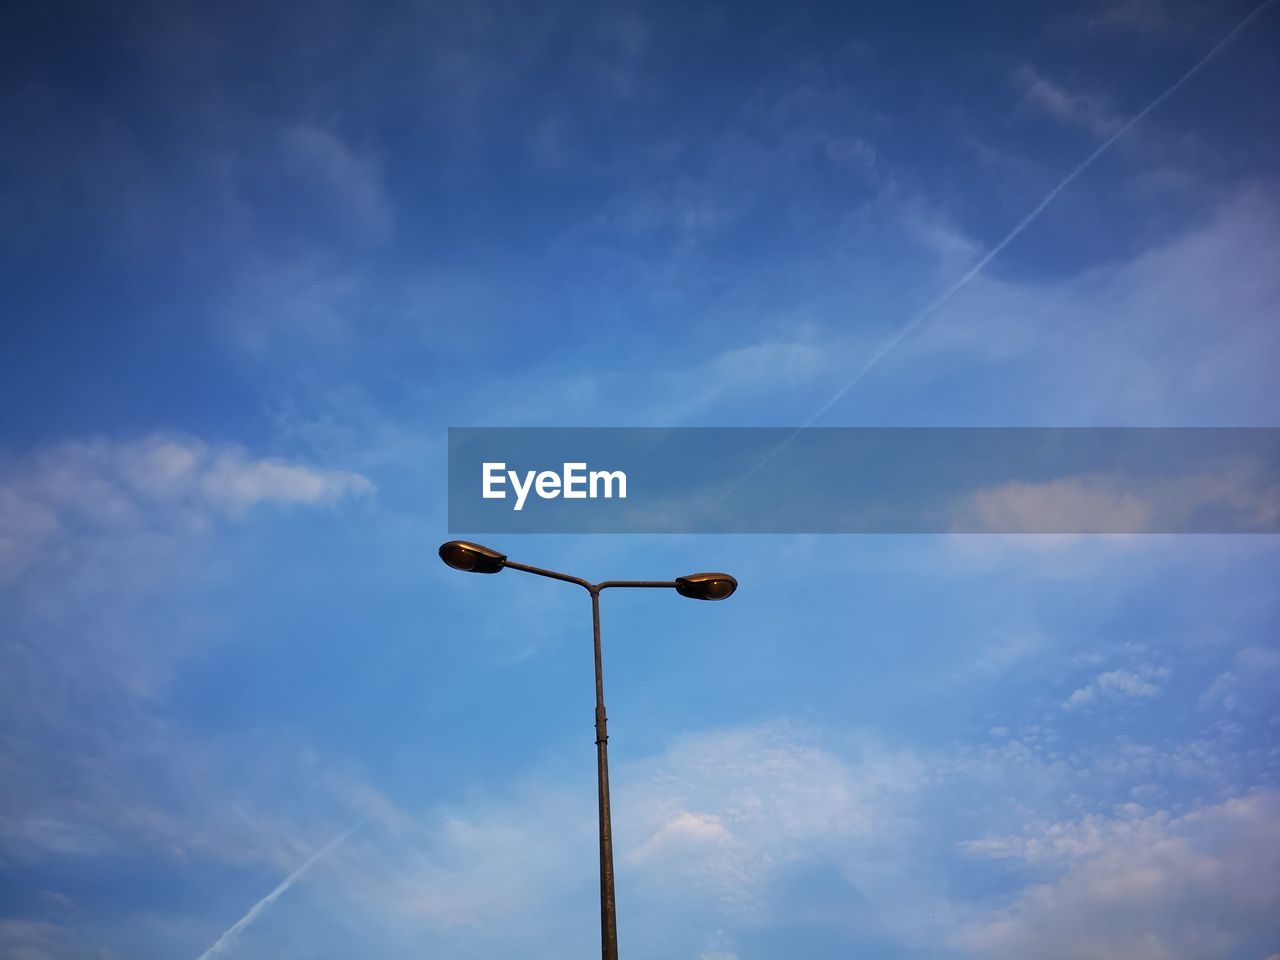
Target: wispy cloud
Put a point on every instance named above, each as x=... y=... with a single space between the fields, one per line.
x=1142 y=16
x=1142 y=886
x=1090 y=112
x=950 y=292
x=38 y=940
x=1248 y=686
x=1245 y=499
x=99 y=485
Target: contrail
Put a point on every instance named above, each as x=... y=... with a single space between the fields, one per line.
x=228 y=938
x=1013 y=234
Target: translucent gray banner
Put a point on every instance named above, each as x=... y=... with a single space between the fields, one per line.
x=864 y=480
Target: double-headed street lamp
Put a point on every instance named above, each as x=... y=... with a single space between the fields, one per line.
x=474 y=558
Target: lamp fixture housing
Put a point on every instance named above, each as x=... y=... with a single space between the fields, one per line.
x=471 y=557
x=706 y=586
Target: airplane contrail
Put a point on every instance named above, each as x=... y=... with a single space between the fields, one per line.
x=229 y=937
x=946 y=295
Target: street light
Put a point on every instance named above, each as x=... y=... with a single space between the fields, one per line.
x=473 y=558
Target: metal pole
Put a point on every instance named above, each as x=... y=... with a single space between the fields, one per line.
x=608 y=907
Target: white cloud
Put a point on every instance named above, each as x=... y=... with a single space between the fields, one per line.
x=47 y=835
x=742 y=374
x=1091 y=113
x=1157 y=887
x=235 y=483
x=1068 y=505
x=702 y=832
x=1079 y=697
x=1242 y=499
x=1117 y=685
x=741 y=803
x=1258 y=659
x=1141 y=16
x=346 y=178
x=687 y=830
x=25 y=526
x=1248 y=686
x=1070 y=840
x=154 y=483
x=1221 y=692
x=939 y=236
x=38 y=940
x=1126 y=684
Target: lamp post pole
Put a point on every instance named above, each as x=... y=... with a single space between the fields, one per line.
x=474 y=558
x=608 y=906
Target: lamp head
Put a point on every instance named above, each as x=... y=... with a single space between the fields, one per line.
x=706 y=586
x=471 y=557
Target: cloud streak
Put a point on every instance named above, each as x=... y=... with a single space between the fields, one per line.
x=233 y=932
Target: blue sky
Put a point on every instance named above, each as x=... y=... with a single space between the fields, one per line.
x=256 y=261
